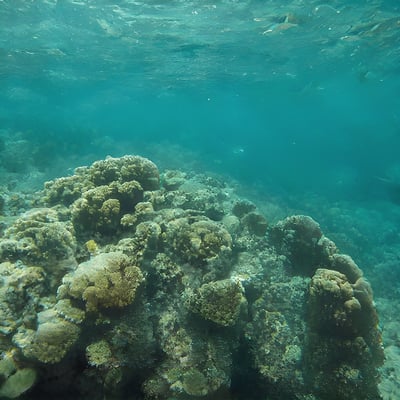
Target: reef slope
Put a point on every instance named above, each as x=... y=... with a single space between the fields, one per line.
x=124 y=283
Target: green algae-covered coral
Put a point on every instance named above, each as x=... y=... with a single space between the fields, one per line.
x=143 y=242
x=346 y=265
x=196 y=364
x=275 y=333
x=66 y=190
x=333 y=306
x=250 y=218
x=106 y=280
x=66 y=310
x=99 y=353
x=339 y=308
x=218 y=301
x=255 y=223
x=173 y=179
x=14 y=380
x=194 y=383
x=278 y=351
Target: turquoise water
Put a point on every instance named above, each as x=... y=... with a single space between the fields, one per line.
x=302 y=93
x=295 y=103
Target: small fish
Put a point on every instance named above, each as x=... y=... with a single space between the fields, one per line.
x=238 y=150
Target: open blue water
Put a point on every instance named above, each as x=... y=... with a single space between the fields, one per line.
x=297 y=99
x=301 y=93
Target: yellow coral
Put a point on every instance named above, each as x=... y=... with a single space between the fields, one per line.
x=106 y=280
x=91 y=247
x=99 y=353
x=51 y=341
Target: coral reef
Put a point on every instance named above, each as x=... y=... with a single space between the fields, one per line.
x=122 y=287
x=173 y=179
x=102 y=193
x=342 y=319
x=195 y=364
x=218 y=301
x=106 y=280
x=14 y=381
x=275 y=335
x=52 y=339
x=198 y=240
x=39 y=236
x=300 y=239
x=389 y=387
x=21 y=290
x=102 y=173
x=255 y=222
x=100 y=209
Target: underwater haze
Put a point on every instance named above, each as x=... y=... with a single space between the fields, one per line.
x=293 y=104
x=301 y=93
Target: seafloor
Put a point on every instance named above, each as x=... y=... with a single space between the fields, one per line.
x=129 y=279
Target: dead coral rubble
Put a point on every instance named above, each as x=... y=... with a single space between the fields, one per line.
x=118 y=286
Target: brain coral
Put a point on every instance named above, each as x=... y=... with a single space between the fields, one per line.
x=106 y=280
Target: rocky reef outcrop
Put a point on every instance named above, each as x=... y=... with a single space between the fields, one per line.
x=127 y=283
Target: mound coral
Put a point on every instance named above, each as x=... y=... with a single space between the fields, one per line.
x=102 y=173
x=106 y=280
x=21 y=288
x=51 y=341
x=198 y=241
x=38 y=236
x=301 y=240
x=218 y=301
x=343 y=321
x=15 y=381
